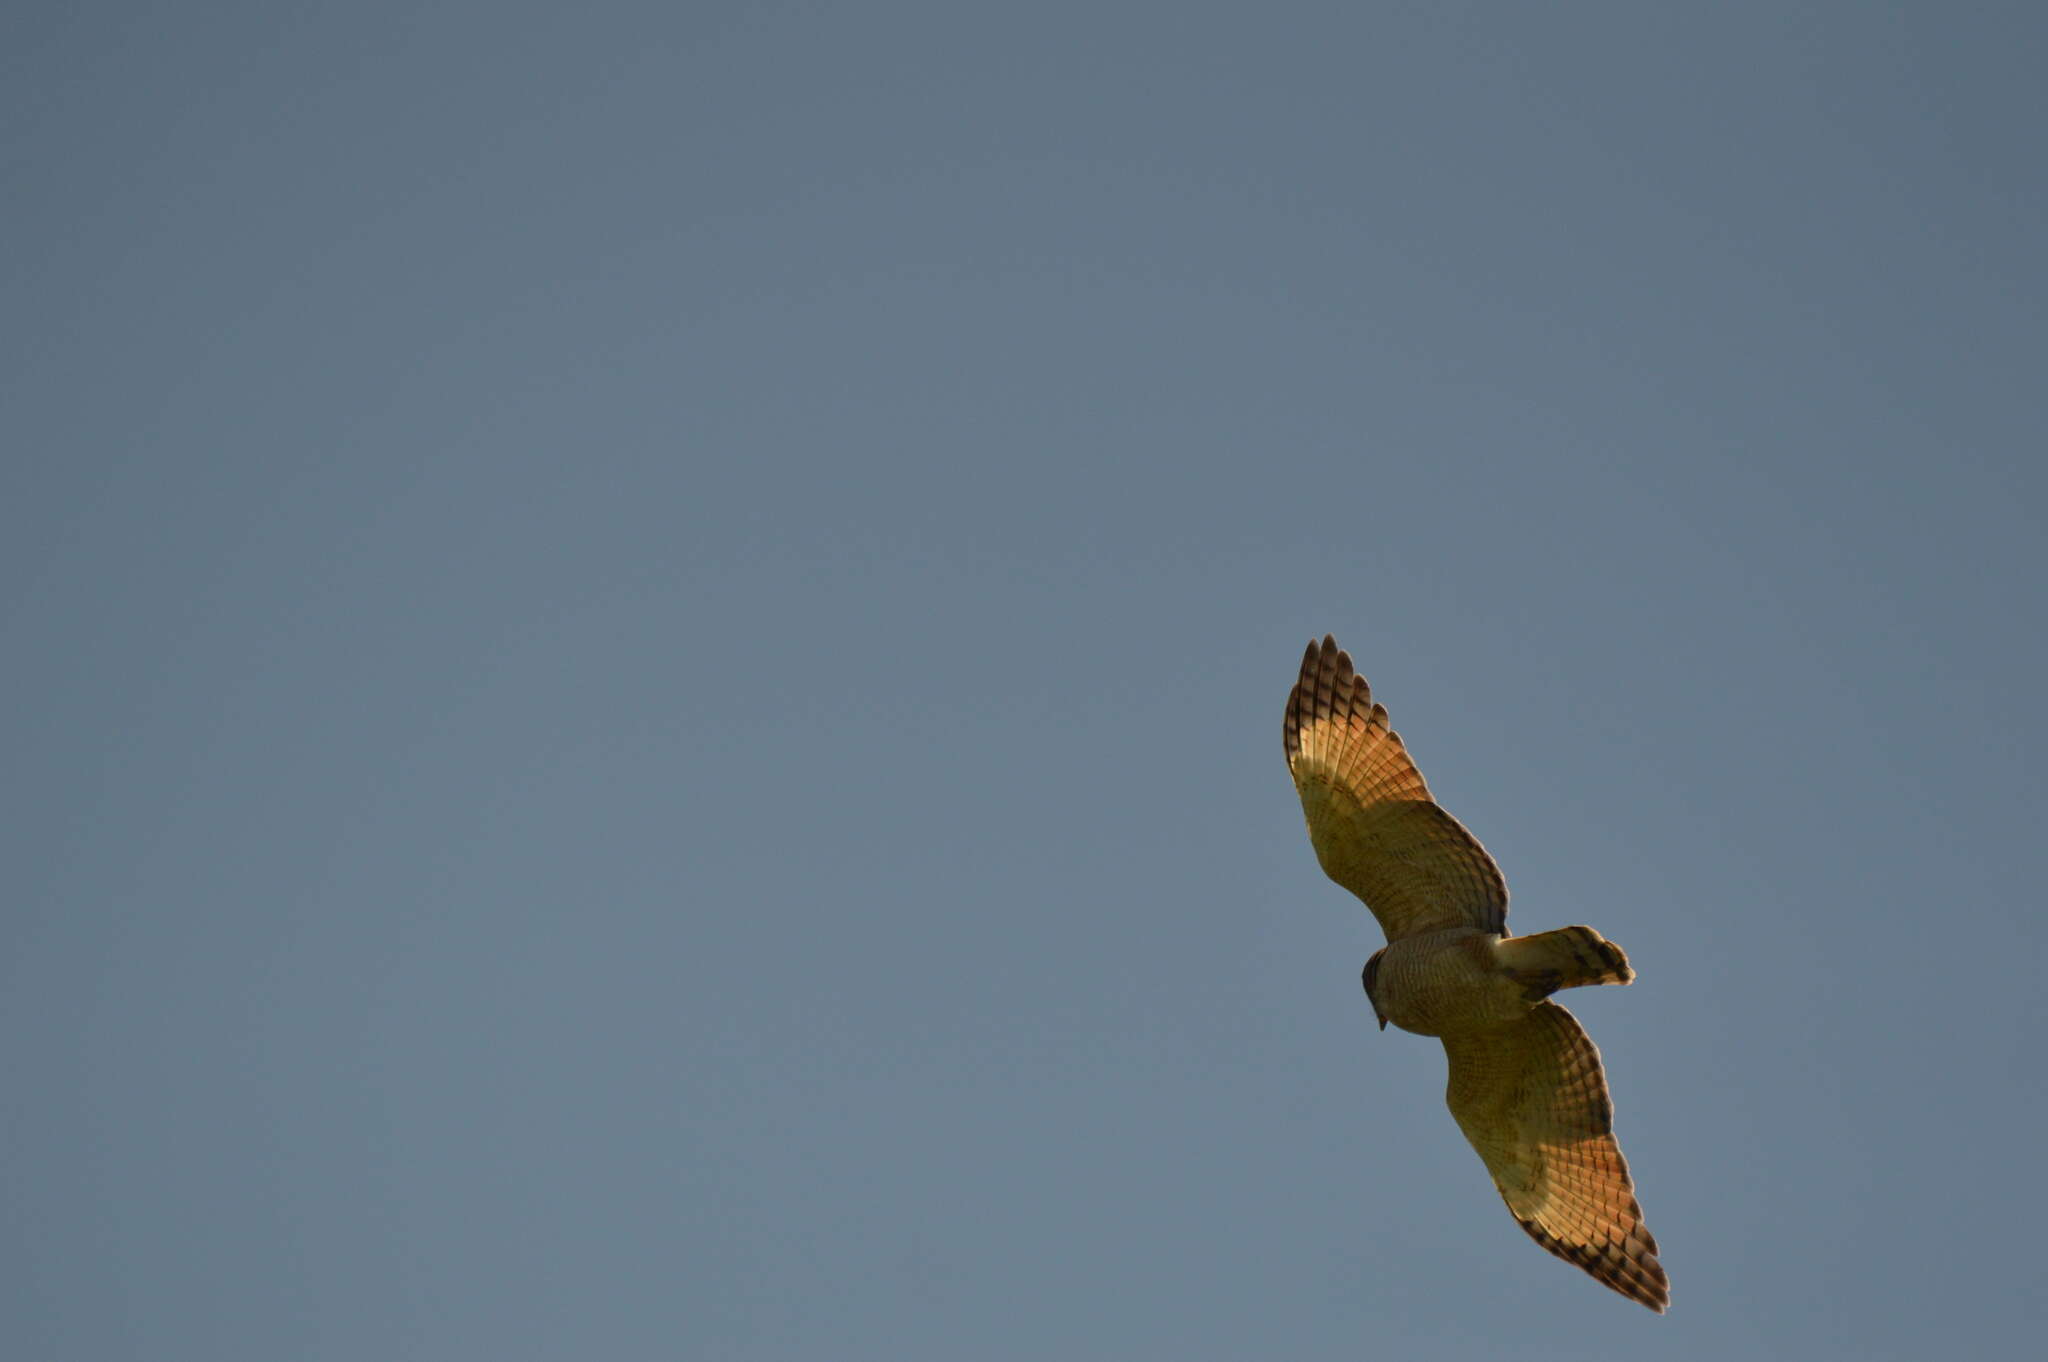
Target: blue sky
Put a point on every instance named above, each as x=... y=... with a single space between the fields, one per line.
x=646 y=648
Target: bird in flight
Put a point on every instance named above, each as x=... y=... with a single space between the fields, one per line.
x=1526 y=1085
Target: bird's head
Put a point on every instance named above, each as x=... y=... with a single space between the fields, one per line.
x=1372 y=978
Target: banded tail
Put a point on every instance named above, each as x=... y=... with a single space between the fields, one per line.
x=1570 y=957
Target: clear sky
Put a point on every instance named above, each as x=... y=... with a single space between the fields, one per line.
x=645 y=647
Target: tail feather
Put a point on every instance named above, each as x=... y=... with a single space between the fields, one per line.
x=1570 y=957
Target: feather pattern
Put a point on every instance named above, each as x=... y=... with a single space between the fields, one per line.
x=1532 y=1098
x=1375 y=828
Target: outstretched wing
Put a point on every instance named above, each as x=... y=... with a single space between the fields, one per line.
x=1374 y=826
x=1532 y=1098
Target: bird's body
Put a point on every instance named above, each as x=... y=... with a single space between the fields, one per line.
x=1444 y=982
x=1526 y=1085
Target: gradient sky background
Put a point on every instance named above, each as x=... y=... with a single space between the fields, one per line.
x=645 y=648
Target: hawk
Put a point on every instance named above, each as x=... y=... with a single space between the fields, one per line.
x=1526 y=1084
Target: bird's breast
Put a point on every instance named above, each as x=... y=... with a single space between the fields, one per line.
x=1446 y=981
